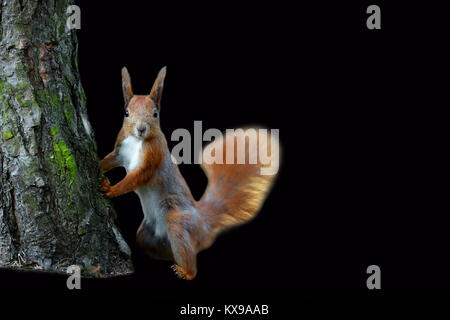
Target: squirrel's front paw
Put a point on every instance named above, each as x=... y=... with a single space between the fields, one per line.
x=105 y=186
x=179 y=271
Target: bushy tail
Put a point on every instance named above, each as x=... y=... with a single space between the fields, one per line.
x=236 y=192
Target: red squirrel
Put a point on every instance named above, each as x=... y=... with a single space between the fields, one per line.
x=175 y=226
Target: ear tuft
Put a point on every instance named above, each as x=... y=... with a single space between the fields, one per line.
x=156 y=92
x=126 y=86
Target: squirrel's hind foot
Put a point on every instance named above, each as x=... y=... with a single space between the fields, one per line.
x=179 y=271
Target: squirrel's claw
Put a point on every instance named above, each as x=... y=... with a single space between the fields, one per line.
x=179 y=271
x=109 y=195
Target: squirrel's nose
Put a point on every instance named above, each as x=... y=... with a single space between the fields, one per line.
x=141 y=130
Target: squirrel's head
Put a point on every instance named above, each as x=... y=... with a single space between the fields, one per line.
x=142 y=111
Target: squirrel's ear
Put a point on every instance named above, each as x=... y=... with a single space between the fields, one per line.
x=157 y=88
x=126 y=86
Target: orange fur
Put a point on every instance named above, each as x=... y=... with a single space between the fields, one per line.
x=151 y=160
x=235 y=192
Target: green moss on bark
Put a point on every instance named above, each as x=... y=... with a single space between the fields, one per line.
x=63 y=157
x=7 y=135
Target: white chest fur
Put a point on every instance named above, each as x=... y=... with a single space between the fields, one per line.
x=130 y=152
x=151 y=206
x=150 y=196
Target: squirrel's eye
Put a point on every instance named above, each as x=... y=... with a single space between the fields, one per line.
x=126 y=113
x=155 y=114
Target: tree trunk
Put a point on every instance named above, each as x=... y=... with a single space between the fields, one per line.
x=51 y=213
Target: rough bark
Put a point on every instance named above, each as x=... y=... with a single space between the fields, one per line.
x=51 y=213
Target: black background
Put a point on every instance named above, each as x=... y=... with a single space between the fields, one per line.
x=358 y=184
